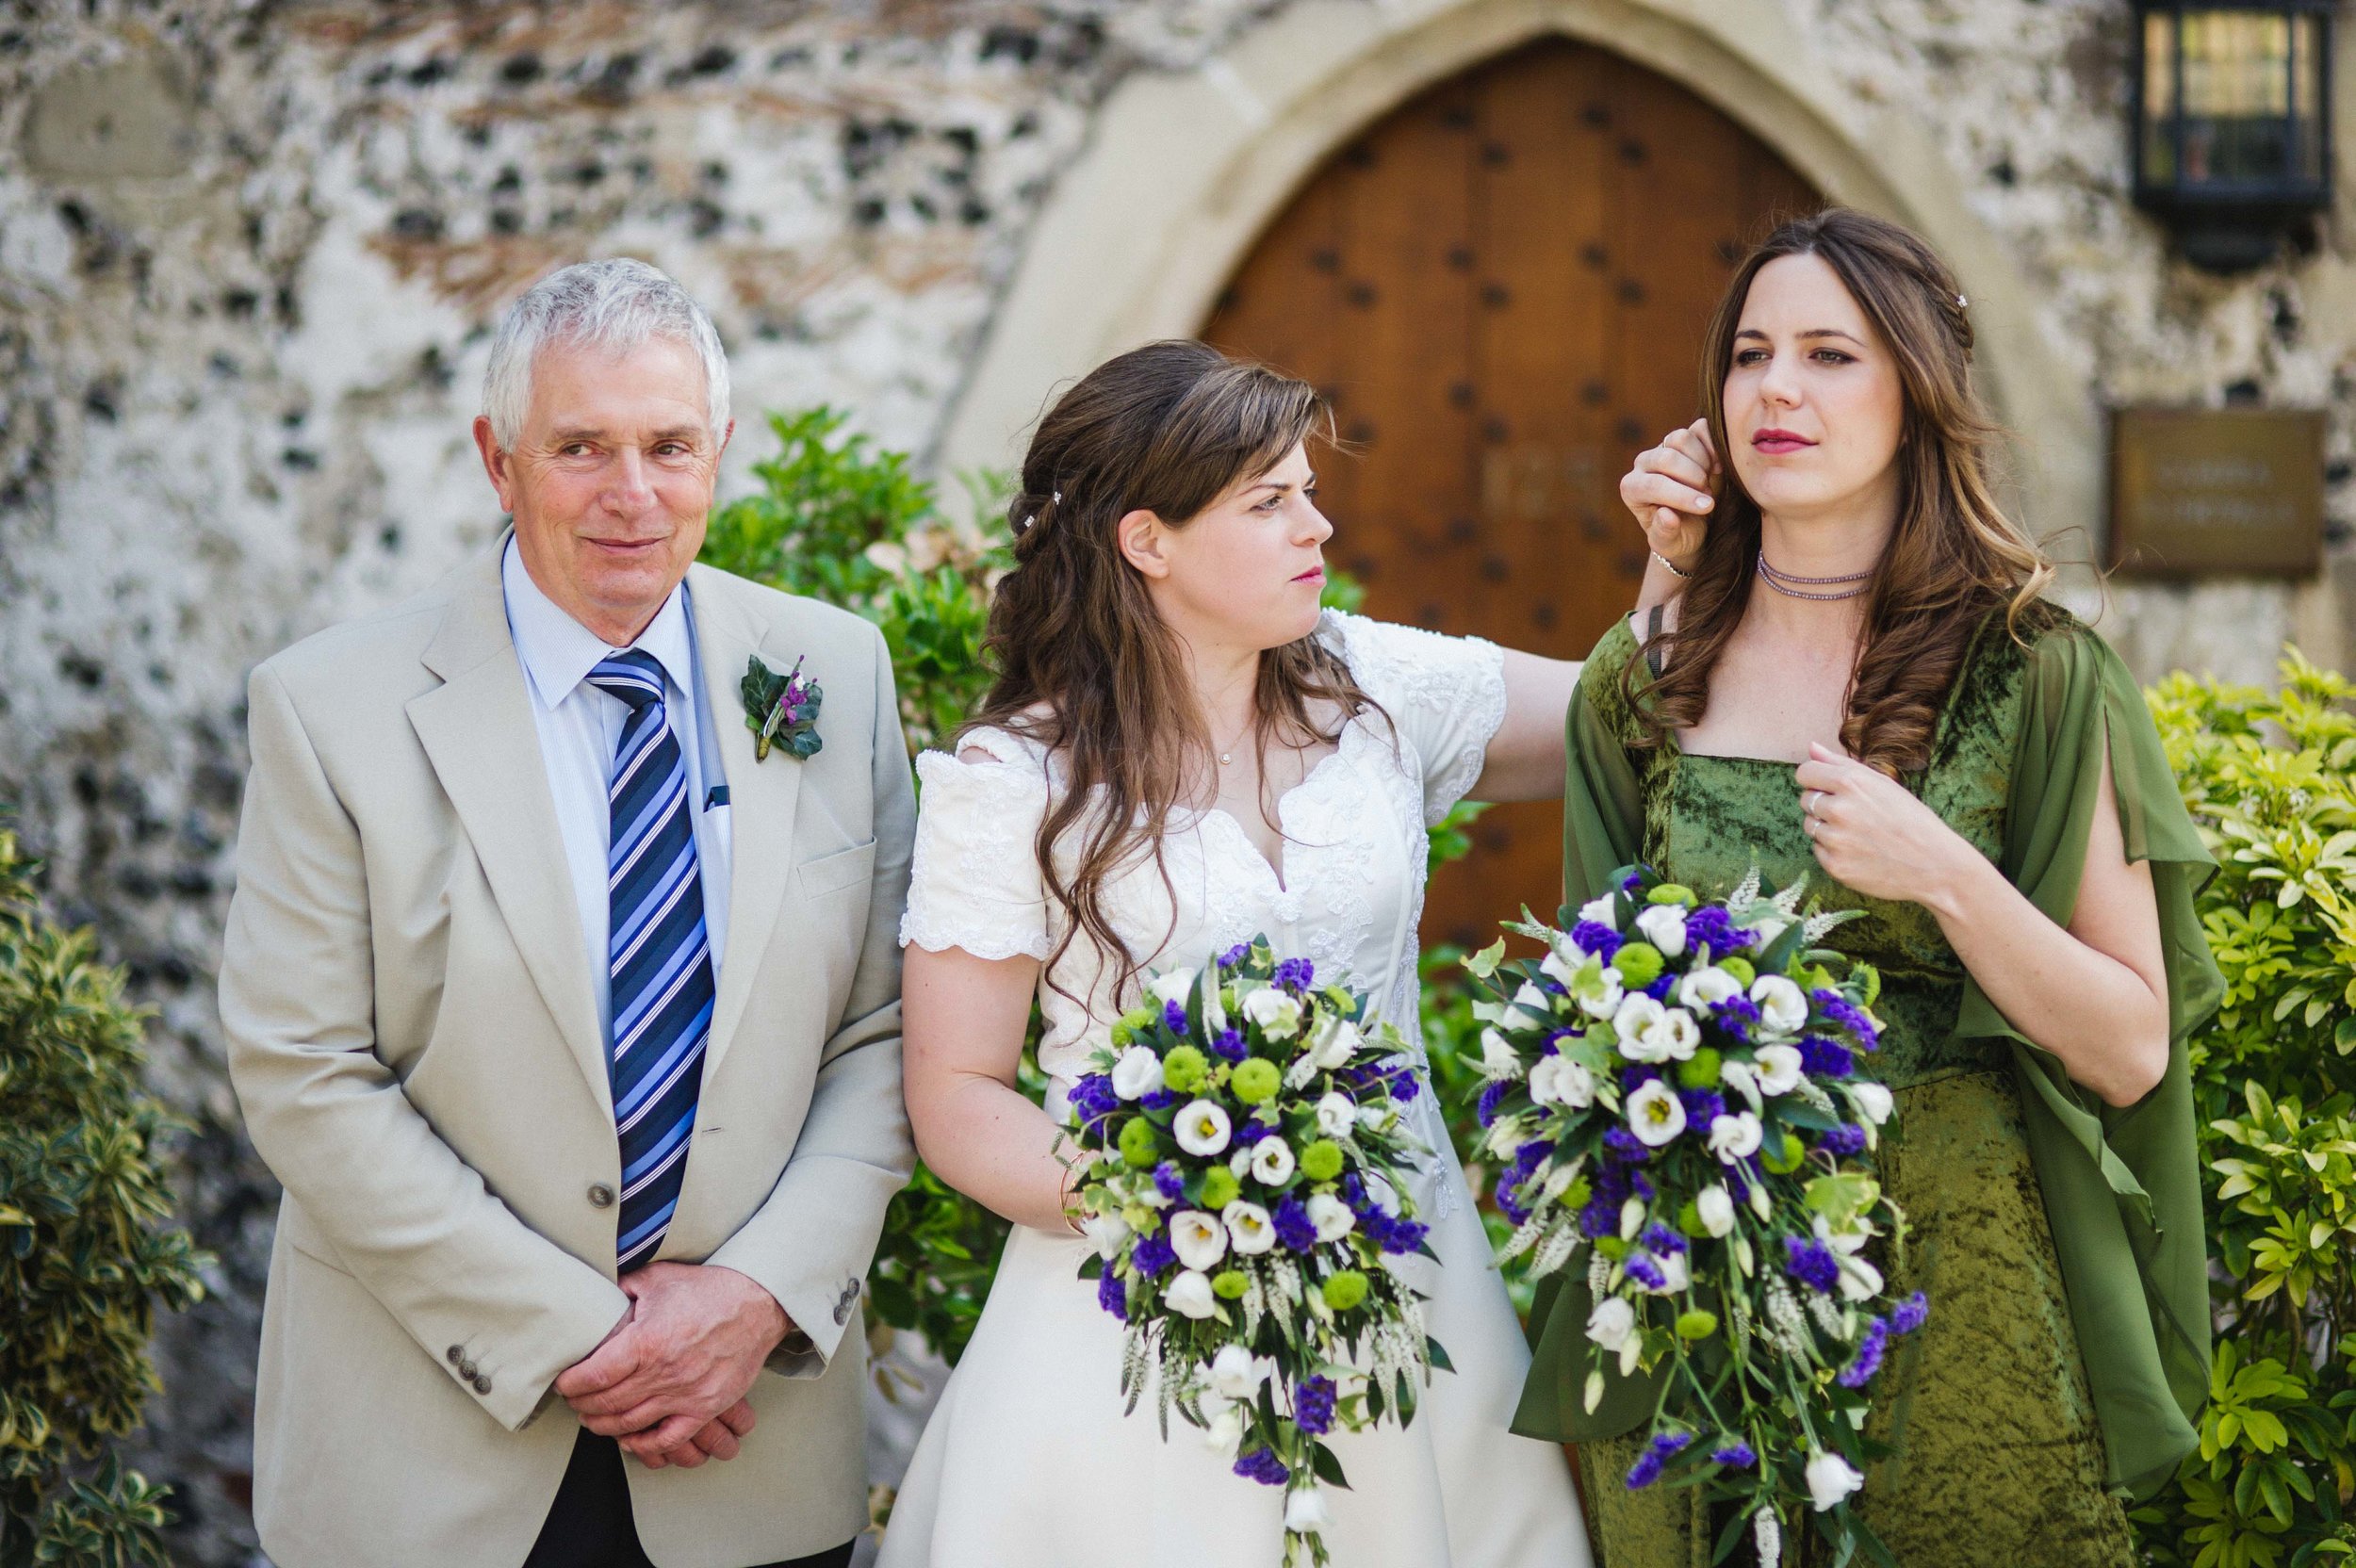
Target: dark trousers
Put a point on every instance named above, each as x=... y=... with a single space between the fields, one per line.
x=589 y=1526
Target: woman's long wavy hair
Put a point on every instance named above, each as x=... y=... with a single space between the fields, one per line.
x=1955 y=555
x=1087 y=666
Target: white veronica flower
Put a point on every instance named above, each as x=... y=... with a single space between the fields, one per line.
x=1498 y=1059
x=1612 y=1322
x=1600 y=912
x=1337 y=1114
x=1636 y=1014
x=1277 y=1013
x=1237 y=1374
x=1304 y=1510
x=1873 y=1101
x=1779 y=1069
x=1715 y=1207
x=1559 y=1081
x=1331 y=1216
x=1655 y=1113
x=1340 y=1043
x=1830 y=1479
x=1272 y=1161
x=1743 y=1080
x=1174 y=986
x=1673 y=1037
x=1203 y=1128
x=1189 y=1294
x=1704 y=988
x=1734 y=1138
x=1108 y=1232
x=1663 y=925
x=1249 y=1227
x=1767 y=1535
x=1782 y=1005
x=1198 y=1240
x=1138 y=1074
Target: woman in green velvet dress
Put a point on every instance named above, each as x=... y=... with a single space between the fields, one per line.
x=1860 y=688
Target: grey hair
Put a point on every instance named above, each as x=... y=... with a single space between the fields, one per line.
x=616 y=304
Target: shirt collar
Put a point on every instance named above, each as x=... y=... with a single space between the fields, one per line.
x=558 y=652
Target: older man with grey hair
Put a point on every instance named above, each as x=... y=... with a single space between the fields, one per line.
x=563 y=996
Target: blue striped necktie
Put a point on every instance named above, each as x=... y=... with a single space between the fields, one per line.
x=659 y=953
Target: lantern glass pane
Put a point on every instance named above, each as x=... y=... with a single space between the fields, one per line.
x=2307 y=46
x=2159 y=99
x=2237 y=97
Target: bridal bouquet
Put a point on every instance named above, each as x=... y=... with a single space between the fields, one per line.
x=1245 y=1166
x=1676 y=1095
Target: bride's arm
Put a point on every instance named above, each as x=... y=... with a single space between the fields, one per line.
x=963 y=1020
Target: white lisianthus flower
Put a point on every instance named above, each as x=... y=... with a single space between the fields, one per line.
x=1331 y=1216
x=1189 y=1294
x=1636 y=1016
x=1600 y=910
x=1249 y=1227
x=1860 y=1282
x=1305 y=1512
x=1830 y=1479
x=1498 y=1059
x=1873 y=1101
x=1779 y=1069
x=1675 y=1274
x=1203 y=1128
x=1107 y=1232
x=1612 y=1322
x=1743 y=1080
x=1272 y=1161
x=1704 y=988
x=1237 y=1374
x=1277 y=1013
x=1174 y=986
x=1655 y=1114
x=1224 y=1431
x=1138 y=1074
x=1761 y=1204
x=1340 y=1043
x=1537 y=1004
x=1715 y=1205
x=1338 y=1114
x=1673 y=1037
x=1631 y=1218
x=1374 y=1118
x=1556 y=968
x=1782 y=1005
x=1663 y=925
x=1198 y=1240
x=1598 y=990
x=1559 y=1081
x=1734 y=1138
x=1506 y=1136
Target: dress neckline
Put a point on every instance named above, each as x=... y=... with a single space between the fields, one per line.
x=1271 y=869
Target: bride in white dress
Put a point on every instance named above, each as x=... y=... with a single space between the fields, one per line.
x=1184 y=672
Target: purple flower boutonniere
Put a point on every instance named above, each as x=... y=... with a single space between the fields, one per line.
x=781 y=710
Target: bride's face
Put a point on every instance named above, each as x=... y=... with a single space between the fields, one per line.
x=1248 y=569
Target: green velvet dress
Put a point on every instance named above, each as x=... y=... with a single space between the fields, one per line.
x=2059 y=1240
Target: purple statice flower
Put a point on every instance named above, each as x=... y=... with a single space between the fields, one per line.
x=1235 y=956
x=1811 y=1263
x=1313 y=1406
x=1112 y=1294
x=1595 y=937
x=1702 y=1106
x=1405 y=1086
x=1169 y=1182
x=1152 y=1254
x=1174 y=1017
x=1841 y=1011
x=1645 y=1271
x=1390 y=1232
x=1823 y=1059
x=1249 y=1130
x=1625 y=1146
x=1486 y=1111
x=1659 y=990
x=1295 y=975
x=1661 y=1239
x=1294 y=1227
x=1738 y=1016
x=1910 y=1314
x=1657 y=1453
x=1868 y=1359
x=1527 y=1160
x=1551 y=1045
x=1229 y=1045
x=1636 y=1077
x=1736 y=1455
x=1632 y=884
x=1638 y=1186
x=1092 y=1098
x=1844 y=1138
x=1262 y=1465
x=1160 y=1100
x=1597 y=1219
x=1710 y=926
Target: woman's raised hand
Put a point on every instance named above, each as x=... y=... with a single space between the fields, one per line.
x=1669 y=493
x=1871 y=832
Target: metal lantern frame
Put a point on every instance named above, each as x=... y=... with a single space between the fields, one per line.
x=2237 y=219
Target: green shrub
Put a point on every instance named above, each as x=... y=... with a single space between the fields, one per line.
x=86 y=1252
x=2271 y=778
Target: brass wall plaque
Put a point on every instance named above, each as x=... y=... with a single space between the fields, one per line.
x=2230 y=491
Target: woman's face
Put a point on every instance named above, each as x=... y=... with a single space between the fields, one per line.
x=1248 y=569
x=1814 y=405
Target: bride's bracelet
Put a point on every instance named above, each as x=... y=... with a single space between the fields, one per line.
x=1674 y=570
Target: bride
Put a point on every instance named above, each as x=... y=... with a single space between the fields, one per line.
x=1181 y=752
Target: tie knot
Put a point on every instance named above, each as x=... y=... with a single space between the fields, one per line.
x=632 y=675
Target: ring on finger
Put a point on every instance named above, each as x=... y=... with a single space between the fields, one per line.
x=1808 y=802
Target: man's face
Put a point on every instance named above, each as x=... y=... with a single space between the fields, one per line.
x=611 y=479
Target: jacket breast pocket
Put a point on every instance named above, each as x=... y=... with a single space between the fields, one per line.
x=832 y=874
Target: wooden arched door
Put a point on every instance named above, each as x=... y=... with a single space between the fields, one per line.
x=1502 y=286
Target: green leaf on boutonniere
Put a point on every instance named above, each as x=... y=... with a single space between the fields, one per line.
x=781 y=710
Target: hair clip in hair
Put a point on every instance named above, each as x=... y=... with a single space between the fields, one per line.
x=1962 y=303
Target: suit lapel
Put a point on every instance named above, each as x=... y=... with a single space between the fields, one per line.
x=761 y=797
x=479 y=732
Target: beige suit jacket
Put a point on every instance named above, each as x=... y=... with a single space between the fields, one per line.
x=414 y=1043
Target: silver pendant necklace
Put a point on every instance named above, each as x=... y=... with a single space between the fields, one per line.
x=1797 y=587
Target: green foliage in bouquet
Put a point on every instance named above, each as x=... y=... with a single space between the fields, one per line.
x=86 y=1253
x=2270 y=777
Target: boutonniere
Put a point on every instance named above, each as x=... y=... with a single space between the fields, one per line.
x=781 y=710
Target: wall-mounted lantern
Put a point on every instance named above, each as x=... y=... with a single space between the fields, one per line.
x=2233 y=101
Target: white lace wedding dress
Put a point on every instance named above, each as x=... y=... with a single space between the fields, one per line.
x=1028 y=1460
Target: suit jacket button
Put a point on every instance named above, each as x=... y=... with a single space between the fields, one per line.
x=457 y=1354
x=482 y=1385
x=465 y=1371
x=600 y=1196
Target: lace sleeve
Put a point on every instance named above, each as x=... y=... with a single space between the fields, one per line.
x=1446 y=696
x=975 y=883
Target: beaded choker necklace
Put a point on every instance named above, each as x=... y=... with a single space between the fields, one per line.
x=1797 y=587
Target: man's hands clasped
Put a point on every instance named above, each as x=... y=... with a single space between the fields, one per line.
x=669 y=1382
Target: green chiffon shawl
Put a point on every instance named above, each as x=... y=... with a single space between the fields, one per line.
x=2121 y=1186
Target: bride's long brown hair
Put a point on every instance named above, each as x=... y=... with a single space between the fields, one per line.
x=1087 y=666
x=1955 y=555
